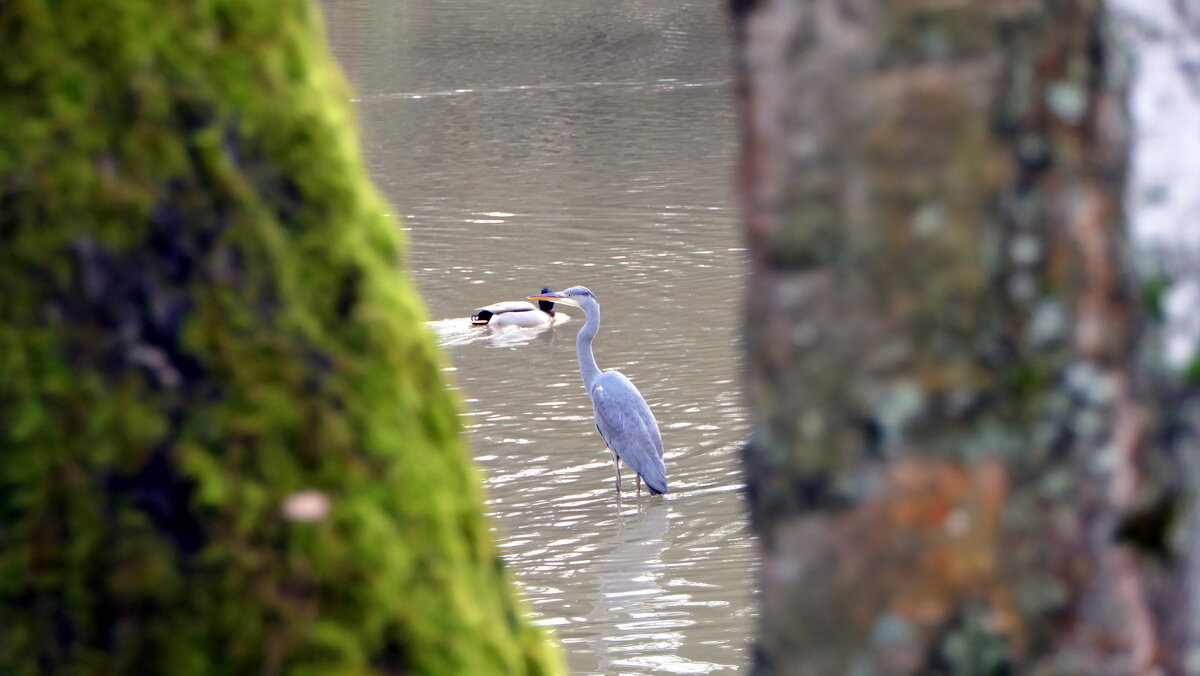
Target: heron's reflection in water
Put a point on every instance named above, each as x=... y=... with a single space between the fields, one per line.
x=628 y=602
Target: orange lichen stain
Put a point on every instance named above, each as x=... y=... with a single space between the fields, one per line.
x=939 y=524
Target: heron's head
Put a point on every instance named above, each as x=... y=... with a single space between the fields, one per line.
x=546 y=306
x=572 y=296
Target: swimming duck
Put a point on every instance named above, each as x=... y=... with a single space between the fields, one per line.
x=515 y=313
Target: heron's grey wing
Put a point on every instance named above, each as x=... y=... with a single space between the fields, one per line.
x=628 y=427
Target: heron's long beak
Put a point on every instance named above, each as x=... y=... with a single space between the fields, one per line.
x=552 y=297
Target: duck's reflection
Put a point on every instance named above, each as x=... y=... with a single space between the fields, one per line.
x=460 y=331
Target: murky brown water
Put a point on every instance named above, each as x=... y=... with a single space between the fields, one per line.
x=536 y=143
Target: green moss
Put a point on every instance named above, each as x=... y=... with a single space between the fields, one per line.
x=1154 y=291
x=203 y=315
x=1191 y=374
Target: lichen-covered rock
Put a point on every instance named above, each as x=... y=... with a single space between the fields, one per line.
x=225 y=445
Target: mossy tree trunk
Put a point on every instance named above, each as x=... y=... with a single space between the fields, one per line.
x=955 y=466
x=203 y=313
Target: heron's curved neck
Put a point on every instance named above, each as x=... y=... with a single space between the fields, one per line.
x=583 y=345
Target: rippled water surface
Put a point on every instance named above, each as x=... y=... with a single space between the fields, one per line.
x=529 y=144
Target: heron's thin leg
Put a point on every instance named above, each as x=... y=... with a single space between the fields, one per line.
x=617 y=466
x=639 y=484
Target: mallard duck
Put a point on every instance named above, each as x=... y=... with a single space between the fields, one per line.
x=515 y=313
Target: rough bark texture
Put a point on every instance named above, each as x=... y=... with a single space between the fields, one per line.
x=954 y=468
x=202 y=314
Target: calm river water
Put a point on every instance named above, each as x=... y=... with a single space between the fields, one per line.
x=550 y=143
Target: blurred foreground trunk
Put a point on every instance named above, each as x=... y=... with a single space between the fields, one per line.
x=958 y=465
x=225 y=445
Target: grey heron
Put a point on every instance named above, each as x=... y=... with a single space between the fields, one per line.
x=622 y=416
x=515 y=313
